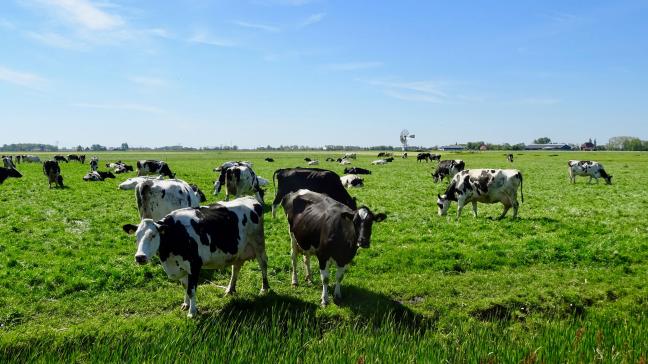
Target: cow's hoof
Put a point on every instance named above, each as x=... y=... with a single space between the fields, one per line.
x=230 y=292
x=337 y=299
x=192 y=313
x=264 y=291
x=324 y=303
x=295 y=284
x=184 y=307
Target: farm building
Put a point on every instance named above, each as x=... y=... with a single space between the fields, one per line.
x=550 y=146
x=588 y=146
x=451 y=148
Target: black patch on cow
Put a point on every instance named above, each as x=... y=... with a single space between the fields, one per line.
x=8 y=172
x=314 y=179
x=254 y=217
x=221 y=225
x=258 y=209
x=163 y=193
x=244 y=222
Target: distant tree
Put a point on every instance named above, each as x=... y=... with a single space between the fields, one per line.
x=633 y=144
x=79 y=148
x=626 y=143
x=543 y=140
x=124 y=146
x=473 y=145
x=519 y=146
x=97 y=148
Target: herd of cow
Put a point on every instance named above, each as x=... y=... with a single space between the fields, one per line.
x=324 y=220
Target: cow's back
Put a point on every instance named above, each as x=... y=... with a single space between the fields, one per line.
x=316 y=180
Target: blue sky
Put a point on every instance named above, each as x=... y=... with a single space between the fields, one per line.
x=316 y=72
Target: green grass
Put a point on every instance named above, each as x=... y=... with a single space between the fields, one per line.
x=565 y=282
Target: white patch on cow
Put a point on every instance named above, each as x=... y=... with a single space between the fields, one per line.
x=165 y=196
x=379 y=162
x=339 y=275
x=324 y=275
x=362 y=212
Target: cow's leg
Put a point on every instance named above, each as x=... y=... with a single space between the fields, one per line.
x=187 y=298
x=460 y=206
x=309 y=276
x=262 y=258
x=474 y=207
x=192 y=285
x=324 y=275
x=590 y=179
x=231 y=288
x=516 y=206
x=293 y=257
x=507 y=206
x=339 y=275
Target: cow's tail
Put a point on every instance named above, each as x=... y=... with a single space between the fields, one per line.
x=521 y=187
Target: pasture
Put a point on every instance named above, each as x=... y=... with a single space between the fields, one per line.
x=567 y=281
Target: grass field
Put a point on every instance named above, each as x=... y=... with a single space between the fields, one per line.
x=566 y=282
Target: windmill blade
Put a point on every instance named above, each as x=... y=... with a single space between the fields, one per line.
x=412 y=136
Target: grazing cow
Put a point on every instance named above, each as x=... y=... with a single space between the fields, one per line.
x=131 y=183
x=307 y=159
x=379 y=162
x=53 y=172
x=8 y=162
x=60 y=158
x=351 y=180
x=156 y=198
x=73 y=157
x=356 y=170
x=82 y=158
x=589 y=169
x=404 y=156
x=381 y=154
x=423 y=157
x=189 y=239
x=8 y=172
x=509 y=157
x=389 y=160
x=329 y=159
x=317 y=180
x=240 y=180
x=345 y=162
x=97 y=176
x=448 y=168
x=331 y=231
x=31 y=158
x=269 y=160
x=435 y=157
x=18 y=159
x=94 y=164
x=313 y=163
x=147 y=167
x=349 y=156
x=483 y=185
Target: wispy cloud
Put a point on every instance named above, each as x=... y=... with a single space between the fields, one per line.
x=204 y=37
x=83 y=13
x=122 y=106
x=264 y=27
x=313 y=19
x=21 y=78
x=148 y=81
x=55 y=40
x=352 y=66
x=425 y=91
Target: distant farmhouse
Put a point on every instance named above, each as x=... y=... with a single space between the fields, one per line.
x=451 y=148
x=588 y=146
x=550 y=146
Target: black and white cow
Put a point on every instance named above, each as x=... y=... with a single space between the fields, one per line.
x=423 y=157
x=8 y=162
x=435 y=157
x=73 y=157
x=190 y=239
x=97 y=176
x=404 y=155
x=329 y=159
x=356 y=170
x=331 y=231
x=589 y=169
x=31 y=158
x=131 y=183
x=448 y=168
x=270 y=160
x=350 y=156
x=509 y=157
x=379 y=162
x=18 y=159
x=60 y=158
x=483 y=185
x=147 y=167
x=123 y=168
x=53 y=172
x=82 y=158
x=307 y=159
x=94 y=163
x=314 y=179
x=352 y=180
x=8 y=172
x=156 y=198
x=240 y=180
x=313 y=163
x=344 y=162
x=389 y=159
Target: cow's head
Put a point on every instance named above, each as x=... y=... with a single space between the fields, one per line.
x=199 y=193
x=59 y=180
x=443 y=203
x=357 y=182
x=363 y=220
x=436 y=177
x=606 y=177
x=108 y=175
x=147 y=236
x=12 y=172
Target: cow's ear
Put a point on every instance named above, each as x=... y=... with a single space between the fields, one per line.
x=130 y=229
x=162 y=228
x=380 y=217
x=438 y=196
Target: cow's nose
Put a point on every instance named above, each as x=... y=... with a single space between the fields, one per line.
x=140 y=259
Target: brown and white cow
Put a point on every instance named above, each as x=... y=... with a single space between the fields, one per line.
x=191 y=239
x=331 y=231
x=483 y=185
x=589 y=169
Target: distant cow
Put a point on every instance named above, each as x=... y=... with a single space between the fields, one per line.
x=73 y=157
x=448 y=168
x=509 y=157
x=97 y=176
x=589 y=169
x=147 y=167
x=351 y=180
x=82 y=158
x=269 y=160
x=307 y=159
x=423 y=157
x=18 y=159
x=60 y=158
x=389 y=159
x=404 y=156
x=350 y=156
x=329 y=159
x=94 y=163
x=158 y=197
x=381 y=154
x=317 y=180
x=31 y=158
x=53 y=172
x=483 y=185
x=240 y=180
x=379 y=162
x=313 y=163
x=345 y=162
x=187 y=240
x=356 y=170
x=435 y=157
x=123 y=168
x=321 y=226
x=8 y=172
x=8 y=162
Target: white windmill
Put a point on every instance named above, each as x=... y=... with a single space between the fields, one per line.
x=404 y=135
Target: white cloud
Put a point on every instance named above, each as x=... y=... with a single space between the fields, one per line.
x=424 y=91
x=313 y=19
x=203 y=37
x=123 y=107
x=84 y=13
x=352 y=66
x=20 y=78
x=148 y=81
x=267 y=28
